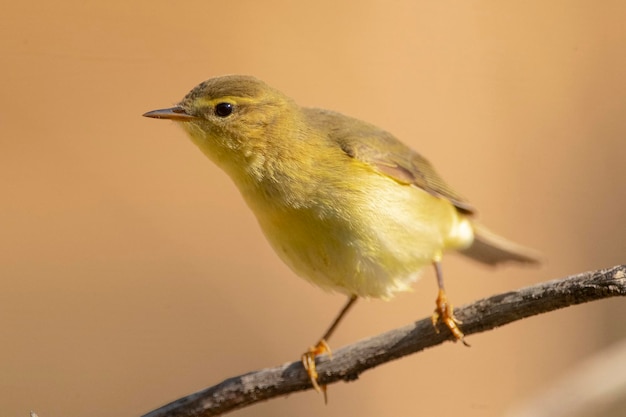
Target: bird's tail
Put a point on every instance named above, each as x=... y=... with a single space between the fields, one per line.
x=492 y=249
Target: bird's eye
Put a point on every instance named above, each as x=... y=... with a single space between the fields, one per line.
x=223 y=109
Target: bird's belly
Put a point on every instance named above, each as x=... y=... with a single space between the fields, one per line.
x=369 y=247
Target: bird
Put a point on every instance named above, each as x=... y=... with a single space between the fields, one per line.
x=345 y=204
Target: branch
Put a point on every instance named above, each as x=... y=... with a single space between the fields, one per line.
x=350 y=361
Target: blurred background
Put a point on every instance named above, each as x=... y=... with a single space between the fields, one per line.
x=132 y=273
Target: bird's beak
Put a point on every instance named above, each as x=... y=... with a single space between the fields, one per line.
x=173 y=113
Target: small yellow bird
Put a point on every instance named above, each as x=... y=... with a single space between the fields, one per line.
x=345 y=204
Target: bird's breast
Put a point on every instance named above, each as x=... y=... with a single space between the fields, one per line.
x=368 y=238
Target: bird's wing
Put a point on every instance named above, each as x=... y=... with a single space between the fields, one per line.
x=386 y=154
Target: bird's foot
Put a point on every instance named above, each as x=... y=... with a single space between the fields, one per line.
x=445 y=313
x=308 y=361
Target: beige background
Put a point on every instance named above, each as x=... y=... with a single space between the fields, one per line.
x=132 y=273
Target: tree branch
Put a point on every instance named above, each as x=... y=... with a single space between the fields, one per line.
x=350 y=361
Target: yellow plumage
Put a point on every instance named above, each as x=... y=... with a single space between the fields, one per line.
x=345 y=204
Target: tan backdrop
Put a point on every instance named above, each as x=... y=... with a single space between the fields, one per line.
x=132 y=273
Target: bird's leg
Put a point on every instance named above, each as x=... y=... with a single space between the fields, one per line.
x=308 y=358
x=444 y=310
